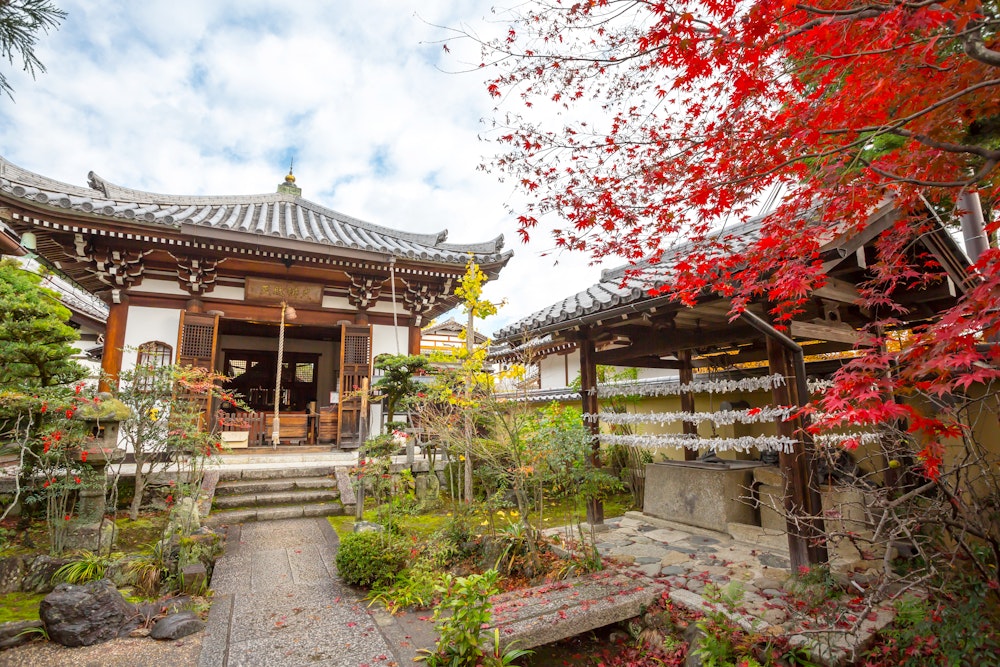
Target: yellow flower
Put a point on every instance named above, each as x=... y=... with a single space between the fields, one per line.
x=154 y=414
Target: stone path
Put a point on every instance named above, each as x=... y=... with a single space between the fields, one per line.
x=278 y=602
x=690 y=563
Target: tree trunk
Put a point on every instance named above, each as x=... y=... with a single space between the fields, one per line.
x=140 y=486
x=469 y=425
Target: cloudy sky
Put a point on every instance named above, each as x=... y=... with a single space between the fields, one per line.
x=195 y=97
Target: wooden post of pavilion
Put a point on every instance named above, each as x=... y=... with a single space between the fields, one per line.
x=588 y=394
x=686 y=372
x=803 y=506
x=114 y=340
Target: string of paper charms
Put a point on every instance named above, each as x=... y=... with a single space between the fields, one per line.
x=646 y=389
x=741 y=444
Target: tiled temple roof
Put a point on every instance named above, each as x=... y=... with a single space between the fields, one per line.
x=280 y=215
x=619 y=287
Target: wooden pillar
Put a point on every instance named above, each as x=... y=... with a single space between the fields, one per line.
x=114 y=343
x=361 y=317
x=588 y=394
x=413 y=348
x=803 y=507
x=687 y=400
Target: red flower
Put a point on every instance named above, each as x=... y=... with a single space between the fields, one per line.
x=45 y=407
x=69 y=413
x=170 y=498
x=66 y=517
x=45 y=449
x=46 y=485
x=76 y=479
x=57 y=436
x=83 y=457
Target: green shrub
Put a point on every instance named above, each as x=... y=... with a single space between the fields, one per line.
x=370 y=558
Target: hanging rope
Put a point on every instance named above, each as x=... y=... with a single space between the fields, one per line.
x=276 y=429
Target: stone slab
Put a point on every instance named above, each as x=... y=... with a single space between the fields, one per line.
x=666 y=536
x=707 y=498
x=347 y=496
x=546 y=614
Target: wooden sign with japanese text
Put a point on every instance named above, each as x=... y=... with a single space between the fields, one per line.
x=269 y=290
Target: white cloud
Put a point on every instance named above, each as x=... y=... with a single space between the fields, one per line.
x=191 y=97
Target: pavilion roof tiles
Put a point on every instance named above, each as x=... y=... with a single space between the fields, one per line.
x=627 y=288
x=279 y=215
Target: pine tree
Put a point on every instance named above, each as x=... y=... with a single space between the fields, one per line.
x=35 y=340
x=20 y=21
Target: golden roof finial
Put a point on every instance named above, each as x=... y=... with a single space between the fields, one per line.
x=291 y=177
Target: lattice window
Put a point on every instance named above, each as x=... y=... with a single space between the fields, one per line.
x=236 y=367
x=197 y=340
x=305 y=372
x=155 y=354
x=356 y=350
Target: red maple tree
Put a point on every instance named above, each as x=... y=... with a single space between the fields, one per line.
x=678 y=119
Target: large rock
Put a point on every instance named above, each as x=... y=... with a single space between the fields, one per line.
x=40 y=573
x=177 y=625
x=87 y=614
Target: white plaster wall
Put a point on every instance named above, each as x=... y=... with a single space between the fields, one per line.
x=147 y=324
x=383 y=305
x=384 y=340
x=645 y=373
x=171 y=287
x=553 y=369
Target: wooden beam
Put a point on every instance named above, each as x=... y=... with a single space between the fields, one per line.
x=814 y=331
x=668 y=343
x=838 y=290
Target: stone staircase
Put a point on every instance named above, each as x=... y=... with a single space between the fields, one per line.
x=287 y=492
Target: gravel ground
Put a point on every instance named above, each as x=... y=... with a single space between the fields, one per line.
x=141 y=652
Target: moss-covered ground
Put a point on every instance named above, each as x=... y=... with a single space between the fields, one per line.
x=19 y=606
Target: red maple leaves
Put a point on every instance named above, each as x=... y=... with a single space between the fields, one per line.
x=679 y=119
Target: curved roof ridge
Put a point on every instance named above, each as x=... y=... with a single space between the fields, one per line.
x=11 y=172
x=120 y=193
x=492 y=246
x=278 y=214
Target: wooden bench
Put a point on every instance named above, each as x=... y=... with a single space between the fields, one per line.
x=293 y=426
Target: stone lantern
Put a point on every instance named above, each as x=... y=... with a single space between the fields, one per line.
x=101 y=420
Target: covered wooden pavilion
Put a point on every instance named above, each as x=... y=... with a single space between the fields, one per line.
x=616 y=322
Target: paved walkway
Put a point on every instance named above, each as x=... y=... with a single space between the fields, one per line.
x=278 y=602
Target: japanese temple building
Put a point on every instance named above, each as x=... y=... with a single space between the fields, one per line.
x=208 y=280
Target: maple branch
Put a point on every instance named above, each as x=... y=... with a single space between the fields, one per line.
x=895 y=125
x=948 y=147
x=976 y=48
x=874 y=8
x=987 y=167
